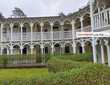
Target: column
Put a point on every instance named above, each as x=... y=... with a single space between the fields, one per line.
x=31 y=24
x=102 y=54
x=83 y=47
x=1 y=32
x=108 y=51
x=52 y=47
x=21 y=49
x=42 y=52
x=11 y=26
x=74 y=47
x=1 y=51
x=21 y=25
x=11 y=50
x=32 y=49
x=81 y=20
x=62 y=49
x=41 y=24
x=92 y=27
x=52 y=38
x=62 y=31
x=73 y=37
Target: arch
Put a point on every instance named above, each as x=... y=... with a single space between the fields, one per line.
x=47 y=49
x=6 y=50
x=47 y=26
x=26 y=28
x=16 y=27
x=78 y=48
x=67 y=25
x=77 y=23
x=86 y=20
x=68 y=48
x=16 y=49
x=56 y=26
x=36 y=27
x=37 y=50
x=26 y=49
x=37 y=53
x=88 y=47
x=6 y=28
x=57 y=47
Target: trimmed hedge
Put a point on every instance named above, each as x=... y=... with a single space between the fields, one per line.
x=90 y=74
x=59 y=65
x=76 y=57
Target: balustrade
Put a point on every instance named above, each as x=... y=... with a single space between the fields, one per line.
x=101 y=19
x=36 y=36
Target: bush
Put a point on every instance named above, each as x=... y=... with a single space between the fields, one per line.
x=76 y=57
x=88 y=75
x=58 y=65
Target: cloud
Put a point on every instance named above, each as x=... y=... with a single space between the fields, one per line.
x=41 y=7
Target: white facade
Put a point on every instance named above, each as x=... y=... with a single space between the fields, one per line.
x=57 y=35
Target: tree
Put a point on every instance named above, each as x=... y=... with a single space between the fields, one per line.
x=1 y=15
x=17 y=12
x=62 y=14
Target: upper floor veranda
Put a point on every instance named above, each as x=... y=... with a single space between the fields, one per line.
x=43 y=28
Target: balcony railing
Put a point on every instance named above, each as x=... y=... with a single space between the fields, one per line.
x=102 y=19
x=36 y=36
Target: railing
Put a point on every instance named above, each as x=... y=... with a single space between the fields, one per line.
x=87 y=29
x=102 y=19
x=36 y=36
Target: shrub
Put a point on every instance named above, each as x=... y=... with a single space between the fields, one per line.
x=88 y=75
x=58 y=65
x=76 y=57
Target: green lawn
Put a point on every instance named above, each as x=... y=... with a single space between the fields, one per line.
x=8 y=74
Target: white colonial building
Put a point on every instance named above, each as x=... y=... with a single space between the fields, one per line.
x=57 y=34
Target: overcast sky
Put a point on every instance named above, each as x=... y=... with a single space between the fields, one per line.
x=41 y=7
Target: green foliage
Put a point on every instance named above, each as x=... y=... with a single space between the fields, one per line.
x=69 y=70
x=59 y=65
x=19 y=59
x=76 y=57
x=90 y=74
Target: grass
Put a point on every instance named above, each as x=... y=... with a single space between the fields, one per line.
x=9 y=74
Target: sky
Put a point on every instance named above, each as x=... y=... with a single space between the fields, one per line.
x=38 y=8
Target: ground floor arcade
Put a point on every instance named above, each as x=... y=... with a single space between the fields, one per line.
x=100 y=49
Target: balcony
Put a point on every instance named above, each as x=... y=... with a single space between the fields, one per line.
x=36 y=36
x=102 y=20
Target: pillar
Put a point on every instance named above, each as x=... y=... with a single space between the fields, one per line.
x=108 y=51
x=1 y=32
x=11 y=26
x=52 y=47
x=62 y=31
x=41 y=24
x=31 y=24
x=83 y=47
x=32 y=49
x=1 y=51
x=102 y=54
x=42 y=54
x=52 y=38
x=92 y=27
x=21 y=49
x=21 y=25
x=11 y=50
x=81 y=20
x=62 y=49
x=73 y=37
x=74 y=48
